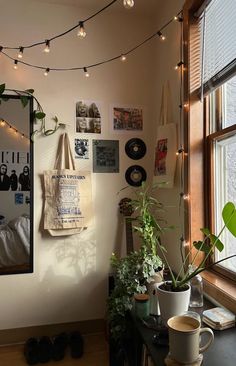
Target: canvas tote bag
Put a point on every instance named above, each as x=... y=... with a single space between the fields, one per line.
x=68 y=201
x=166 y=144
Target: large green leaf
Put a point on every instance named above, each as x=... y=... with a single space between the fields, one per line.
x=202 y=246
x=24 y=100
x=2 y=88
x=229 y=217
x=205 y=231
x=40 y=115
x=216 y=242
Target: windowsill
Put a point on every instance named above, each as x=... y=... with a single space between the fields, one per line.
x=221 y=289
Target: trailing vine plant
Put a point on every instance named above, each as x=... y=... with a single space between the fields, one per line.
x=38 y=113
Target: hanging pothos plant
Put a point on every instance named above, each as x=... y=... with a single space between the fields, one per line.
x=38 y=113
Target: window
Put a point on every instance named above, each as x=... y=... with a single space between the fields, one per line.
x=222 y=161
x=209 y=39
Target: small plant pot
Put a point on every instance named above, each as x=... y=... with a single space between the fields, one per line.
x=172 y=302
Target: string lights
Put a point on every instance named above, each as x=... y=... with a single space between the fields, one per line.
x=179 y=64
x=122 y=56
x=20 y=53
x=15 y=67
x=12 y=128
x=181 y=152
x=86 y=73
x=128 y=3
x=160 y=34
x=46 y=71
x=47 y=46
x=81 y=32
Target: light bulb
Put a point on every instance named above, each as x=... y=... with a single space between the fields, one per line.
x=123 y=58
x=128 y=4
x=47 y=46
x=86 y=72
x=20 y=53
x=46 y=71
x=81 y=32
x=179 y=64
x=161 y=36
x=184 y=196
x=15 y=64
x=2 y=123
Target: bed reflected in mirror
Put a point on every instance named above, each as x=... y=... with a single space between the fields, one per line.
x=16 y=173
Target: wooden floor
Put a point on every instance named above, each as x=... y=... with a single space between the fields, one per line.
x=95 y=354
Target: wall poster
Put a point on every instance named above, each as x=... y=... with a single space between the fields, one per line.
x=105 y=156
x=81 y=148
x=88 y=117
x=127 y=119
x=165 y=155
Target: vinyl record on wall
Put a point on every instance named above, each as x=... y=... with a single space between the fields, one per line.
x=135 y=175
x=135 y=148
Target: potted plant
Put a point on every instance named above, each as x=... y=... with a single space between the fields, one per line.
x=175 y=292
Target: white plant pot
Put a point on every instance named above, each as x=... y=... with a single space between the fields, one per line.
x=172 y=303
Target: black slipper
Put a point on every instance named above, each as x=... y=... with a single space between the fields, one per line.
x=76 y=345
x=59 y=345
x=31 y=351
x=45 y=349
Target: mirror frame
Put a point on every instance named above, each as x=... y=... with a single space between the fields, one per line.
x=15 y=269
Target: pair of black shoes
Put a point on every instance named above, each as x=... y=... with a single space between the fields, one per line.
x=44 y=349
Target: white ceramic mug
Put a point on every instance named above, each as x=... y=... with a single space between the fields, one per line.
x=184 y=333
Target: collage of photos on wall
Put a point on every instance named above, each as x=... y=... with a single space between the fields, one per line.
x=105 y=153
x=88 y=117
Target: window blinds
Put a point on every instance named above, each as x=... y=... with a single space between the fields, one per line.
x=217 y=50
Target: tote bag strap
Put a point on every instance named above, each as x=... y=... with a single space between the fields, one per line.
x=64 y=158
x=165 y=111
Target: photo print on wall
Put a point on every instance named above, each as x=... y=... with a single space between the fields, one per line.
x=105 y=156
x=127 y=119
x=88 y=117
x=81 y=148
x=14 y=170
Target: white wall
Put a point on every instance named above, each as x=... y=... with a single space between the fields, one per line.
x=168 y=55
x=69 y=282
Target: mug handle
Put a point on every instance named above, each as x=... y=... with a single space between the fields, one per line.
x=211 y=338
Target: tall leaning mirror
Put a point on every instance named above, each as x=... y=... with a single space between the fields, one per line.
x=16 y=183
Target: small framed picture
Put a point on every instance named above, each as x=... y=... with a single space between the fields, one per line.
x=105 y=156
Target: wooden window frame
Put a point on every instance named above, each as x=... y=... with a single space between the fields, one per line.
x=210 y=171
x=196 y=124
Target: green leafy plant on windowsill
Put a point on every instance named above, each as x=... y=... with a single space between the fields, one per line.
x=211 y=242
x=133 y=271
x=38 y=114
